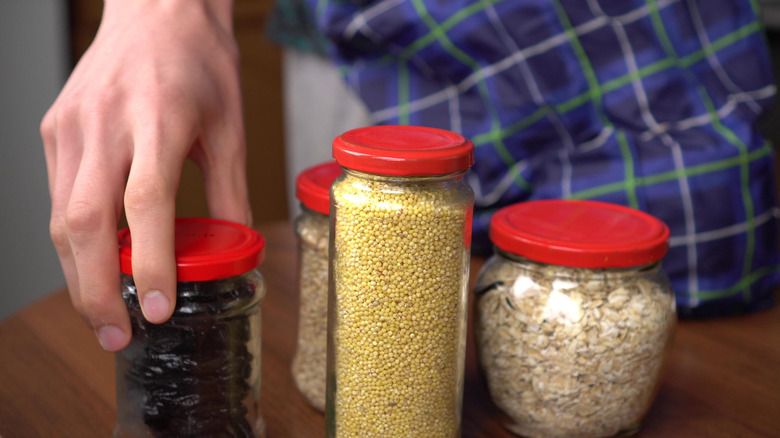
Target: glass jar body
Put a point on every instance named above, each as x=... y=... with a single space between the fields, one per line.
x=397 y=305
x=308 y=366
x=572 y=352
x=197 y=374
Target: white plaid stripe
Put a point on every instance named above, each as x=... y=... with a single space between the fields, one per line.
x=722 y=233
x=359 y=24
x=518 y=58
x=740 y=37
x=647 y=117
x=490 y=198
x=361 y=19
x=529 y=52
x=723 y=77
x=454 y=108
x=536 y=95
x=597 y=141
x=706 y=118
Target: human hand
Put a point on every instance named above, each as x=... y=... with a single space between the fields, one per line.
x=159 y=83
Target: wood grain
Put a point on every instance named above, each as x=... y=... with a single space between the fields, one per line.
x=723 y=378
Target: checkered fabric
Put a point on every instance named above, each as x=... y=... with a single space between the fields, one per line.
x=651 y=104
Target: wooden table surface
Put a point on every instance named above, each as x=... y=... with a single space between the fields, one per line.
x=723 y=378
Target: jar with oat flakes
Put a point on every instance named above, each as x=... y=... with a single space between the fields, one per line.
x=400 y=237
x=574 y=317
x=312 y=188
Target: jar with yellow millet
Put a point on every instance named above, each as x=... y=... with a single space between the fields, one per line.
x=401 y=216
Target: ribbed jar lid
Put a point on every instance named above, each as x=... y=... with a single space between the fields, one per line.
x=584 y=234
x=206 y=249
x=403 y=150
x=312 y=187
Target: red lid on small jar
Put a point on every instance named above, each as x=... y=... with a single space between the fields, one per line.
x=583 y=234
x=312 y=187
x=206 y=249
x=403 y=150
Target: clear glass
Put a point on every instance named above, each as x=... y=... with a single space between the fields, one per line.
x=308 y=366
x=197 y=374
x=571 y=352
x=397 y=305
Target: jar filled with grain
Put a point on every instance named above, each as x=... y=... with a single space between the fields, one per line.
x=312 y=226
x=400 y=239
x=197 y=374
x=574 y=317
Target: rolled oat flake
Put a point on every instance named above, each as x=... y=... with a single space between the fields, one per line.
x=574 y=317
x=400 y=236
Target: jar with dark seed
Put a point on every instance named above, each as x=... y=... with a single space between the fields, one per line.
x=400 y=236
x=197 y=374
x=312 y=229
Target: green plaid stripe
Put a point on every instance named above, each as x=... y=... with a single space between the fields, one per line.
x=729 y=136
x=439 y=34
x=622 y=81
x=422 y=52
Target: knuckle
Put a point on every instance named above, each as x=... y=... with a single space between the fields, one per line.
x=47 y=126
x=96 y=307
x=62 y=118
x=82 y=218
x=66 y=111
x=159 y=92
x=154 y=112
x=166 y=88
x=145 y=194
x=100 y=105
x=59 y=232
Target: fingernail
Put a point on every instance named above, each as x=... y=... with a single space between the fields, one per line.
x=111 y=338
x=156 y=306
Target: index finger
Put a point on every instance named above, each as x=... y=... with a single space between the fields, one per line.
x=150 y=198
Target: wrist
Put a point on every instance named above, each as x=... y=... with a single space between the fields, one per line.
x=220 y=10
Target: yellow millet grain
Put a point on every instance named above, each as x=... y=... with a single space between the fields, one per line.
x=400 y=277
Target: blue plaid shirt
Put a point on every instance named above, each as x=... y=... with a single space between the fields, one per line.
x=651 y=104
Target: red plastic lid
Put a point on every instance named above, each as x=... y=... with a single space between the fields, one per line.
x=206 y=249
x=583 y=234
x=312 y=187
x=403 y=151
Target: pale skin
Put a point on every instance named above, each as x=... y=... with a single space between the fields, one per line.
x=159 y=84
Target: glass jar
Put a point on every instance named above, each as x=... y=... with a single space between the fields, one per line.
x=574 y=317
x=313 y=228
x=400 y=237
x=197 y=374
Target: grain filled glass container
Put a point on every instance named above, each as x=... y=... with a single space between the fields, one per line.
x=400 y=236
x=197 y=374
x=574 y=317
x=313 y=228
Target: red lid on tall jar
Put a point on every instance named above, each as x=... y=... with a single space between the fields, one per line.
x=583 y=234
x=312 y=187
x=206 y=249
x=403 y=150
